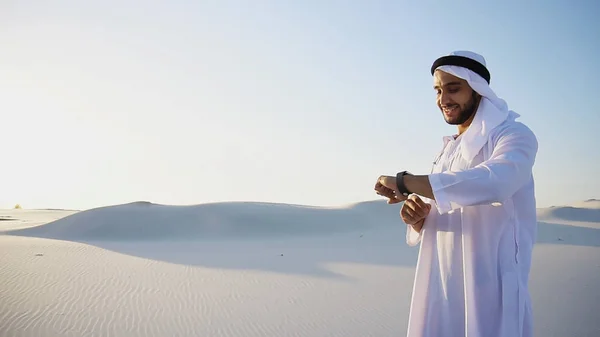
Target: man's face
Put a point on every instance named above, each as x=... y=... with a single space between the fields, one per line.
x=455 y=98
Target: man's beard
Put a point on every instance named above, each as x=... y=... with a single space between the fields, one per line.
x=465 y=113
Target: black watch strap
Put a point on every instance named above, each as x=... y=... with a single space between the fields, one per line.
x=400 y=183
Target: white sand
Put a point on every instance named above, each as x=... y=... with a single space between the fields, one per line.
x=249 y=269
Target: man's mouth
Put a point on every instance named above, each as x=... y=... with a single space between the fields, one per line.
x=450 y=110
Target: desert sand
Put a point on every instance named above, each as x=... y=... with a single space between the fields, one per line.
x=256 y=269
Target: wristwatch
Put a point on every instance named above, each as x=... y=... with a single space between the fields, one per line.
x=400 y=183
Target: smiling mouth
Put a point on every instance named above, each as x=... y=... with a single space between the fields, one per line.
x=450 y=110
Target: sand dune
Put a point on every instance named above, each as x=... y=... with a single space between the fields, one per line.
x=577 y=224
x=586 y=211
x=255 y=269
x=14 y=219
x=147 y=221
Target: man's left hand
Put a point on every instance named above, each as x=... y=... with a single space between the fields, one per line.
x=386 y=186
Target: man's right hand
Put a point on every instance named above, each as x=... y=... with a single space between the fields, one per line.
x=414 y=211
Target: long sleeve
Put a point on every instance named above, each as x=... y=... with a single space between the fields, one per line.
x=494 y=180
x=413 y=237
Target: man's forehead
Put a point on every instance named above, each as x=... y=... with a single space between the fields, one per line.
x=442 y=78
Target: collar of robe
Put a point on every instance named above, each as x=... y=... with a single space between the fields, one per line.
x=492 y=111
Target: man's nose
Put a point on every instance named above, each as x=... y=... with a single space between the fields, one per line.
x=445 y=99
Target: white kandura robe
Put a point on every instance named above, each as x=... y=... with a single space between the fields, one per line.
x=476 y=243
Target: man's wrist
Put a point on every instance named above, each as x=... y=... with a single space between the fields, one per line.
x=418 y=185
x=402 y=188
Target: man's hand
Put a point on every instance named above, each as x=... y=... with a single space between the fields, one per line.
x=386 y=186
x=418 y=226
x=414 y=211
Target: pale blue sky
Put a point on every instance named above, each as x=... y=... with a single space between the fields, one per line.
x=186 y=102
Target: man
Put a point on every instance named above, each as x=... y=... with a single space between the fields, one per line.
x=474 y=215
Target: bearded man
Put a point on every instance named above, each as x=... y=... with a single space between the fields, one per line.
x=474 y=215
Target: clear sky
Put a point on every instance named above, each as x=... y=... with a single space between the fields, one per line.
x=187 y=102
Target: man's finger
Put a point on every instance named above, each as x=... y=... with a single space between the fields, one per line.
x=400 y=197
x=410 y=213
x=421 y=211
x=387 y=182
x=409 y=220
x=380 y=186
x=420 y=202
x=411 y=205
x=405 y=215
x=386 y=193
x=393 y=201
x=419 y=206
x=418 y=211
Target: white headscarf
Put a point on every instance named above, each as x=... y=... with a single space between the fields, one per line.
x=492 y=110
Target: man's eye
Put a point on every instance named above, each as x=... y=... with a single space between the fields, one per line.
x=450 y=91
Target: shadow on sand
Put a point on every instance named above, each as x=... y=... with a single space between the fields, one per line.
x=300 y=256
x=313 y=255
